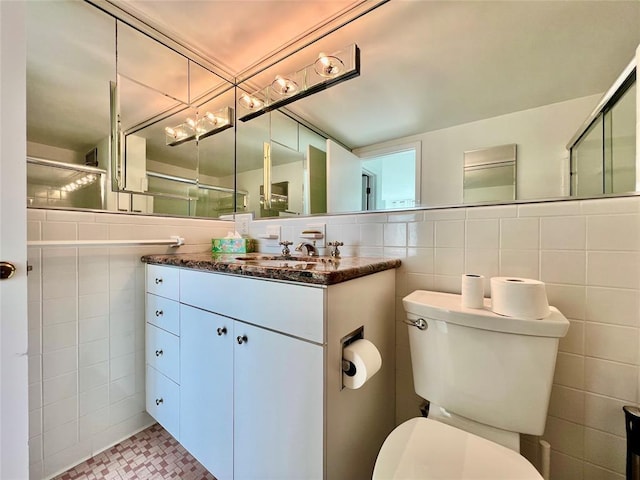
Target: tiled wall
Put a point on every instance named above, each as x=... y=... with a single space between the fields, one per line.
x=86 y=331
x=587 y=253
x=86 y=314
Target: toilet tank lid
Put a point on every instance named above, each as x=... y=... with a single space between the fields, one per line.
x=447 y=307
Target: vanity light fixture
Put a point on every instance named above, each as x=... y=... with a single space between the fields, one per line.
x=82 y=182
x=205 y=126
x=326 y=71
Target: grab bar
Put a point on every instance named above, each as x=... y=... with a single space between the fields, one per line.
x=173 y=241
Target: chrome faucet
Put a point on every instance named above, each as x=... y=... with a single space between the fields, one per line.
x=307 y=249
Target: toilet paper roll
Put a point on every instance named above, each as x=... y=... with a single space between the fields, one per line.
x=519 y=297
x=364 y=361
x=472 y=291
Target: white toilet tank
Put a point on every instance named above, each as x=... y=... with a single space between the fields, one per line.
x=489 y=368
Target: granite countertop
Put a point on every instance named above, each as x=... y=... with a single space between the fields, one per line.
x=312 y=270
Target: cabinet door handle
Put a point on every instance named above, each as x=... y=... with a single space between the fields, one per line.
x=159 y=313
x=159 y=353
x=159 y=401
x=222 y=331
x=158 y=281
x=241 y=339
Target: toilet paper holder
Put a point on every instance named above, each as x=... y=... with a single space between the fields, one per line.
x=348 y=368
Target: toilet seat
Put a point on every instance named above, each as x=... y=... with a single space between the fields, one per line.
x=422 y=448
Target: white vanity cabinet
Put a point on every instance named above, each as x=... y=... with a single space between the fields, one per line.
x=162 y=347
x=260 y=381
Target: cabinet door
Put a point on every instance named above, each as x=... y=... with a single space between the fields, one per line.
x=206 y=389
x=278 y=412
x=163 y=401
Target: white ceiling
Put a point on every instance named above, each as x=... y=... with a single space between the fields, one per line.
x=426 y=65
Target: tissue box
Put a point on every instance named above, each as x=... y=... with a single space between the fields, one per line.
x=232 y=245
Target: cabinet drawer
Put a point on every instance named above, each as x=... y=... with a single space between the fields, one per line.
x=294 y=309
x=164 y=313
x=163 y=352
x=163 y=281
x=163 y=401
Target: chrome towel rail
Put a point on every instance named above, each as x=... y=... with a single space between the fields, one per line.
x=173 y=241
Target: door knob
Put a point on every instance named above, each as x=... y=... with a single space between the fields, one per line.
x=6 y=270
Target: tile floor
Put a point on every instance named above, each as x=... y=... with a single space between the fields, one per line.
x=152 y=454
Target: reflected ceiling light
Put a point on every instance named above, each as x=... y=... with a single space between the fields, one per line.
x=326 y=71
x=284 y=86
x=82 y=182
x=328 y=66
x=197 y=129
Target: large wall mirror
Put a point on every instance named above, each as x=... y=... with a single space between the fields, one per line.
x=446 y=78
x=436 y=79
x=118 y=121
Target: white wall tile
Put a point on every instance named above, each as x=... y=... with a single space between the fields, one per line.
x=563 y=267
x=371 y=218
x=447 y=283
x=419 y=281
x=483 y=234
x=93 y=305
x=567 y=404
x=59 y=310
x=58 y=413
x=611 y=342
x=613 y=269
x=94 y=399
x=573 y=341
x=35 y=367
x=59 y=362
x=93 y=376
x=618 y=380
x=569 y=299
x=565 y=467
x=122 y=388
x=122 y=366
x=93 y=328
x=611 y=305
x=569 y=370
x=610 y=205
x=604 y=413
x=395 y=234
x=565 y=437
x=449 y=234
x=60 y=438
x=93 y=231
x=57 y=388
x=405 y=217
x=593 y=472
x=35 y=396
x=605 y=450
x=94 y=352
x=371 y=235
x=520 y=263
x=59 y=336
x=419 y=260
x=59 y=231
x=420 y=234
x=483 y=262
x=449 y=261
x=445 y=214
x=549 y=209
x=498 y=211
x=520 y=233
x=563 y=233
x=613 y=232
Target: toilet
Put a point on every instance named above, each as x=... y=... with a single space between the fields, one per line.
x=487 y=377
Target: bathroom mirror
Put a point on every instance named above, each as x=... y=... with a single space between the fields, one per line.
x=456 y=77
x=88 y=73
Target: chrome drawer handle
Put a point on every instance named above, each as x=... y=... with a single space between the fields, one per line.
x=159 y=313
x=241 y=339
x=159 y=353
x=159 y=401
x=222 y=331
x=158 y=281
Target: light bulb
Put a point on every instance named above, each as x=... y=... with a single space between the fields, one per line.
x=328 y=66
x=284 y=86
x=249 y=102
x=170 y=131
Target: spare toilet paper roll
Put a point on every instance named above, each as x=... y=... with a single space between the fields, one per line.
x=472 y=291
x=519 y=297
x=364 y=362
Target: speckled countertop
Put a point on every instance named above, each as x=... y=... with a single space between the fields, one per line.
x=313 y=270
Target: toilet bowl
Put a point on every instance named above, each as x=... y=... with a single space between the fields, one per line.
x=422 y=448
